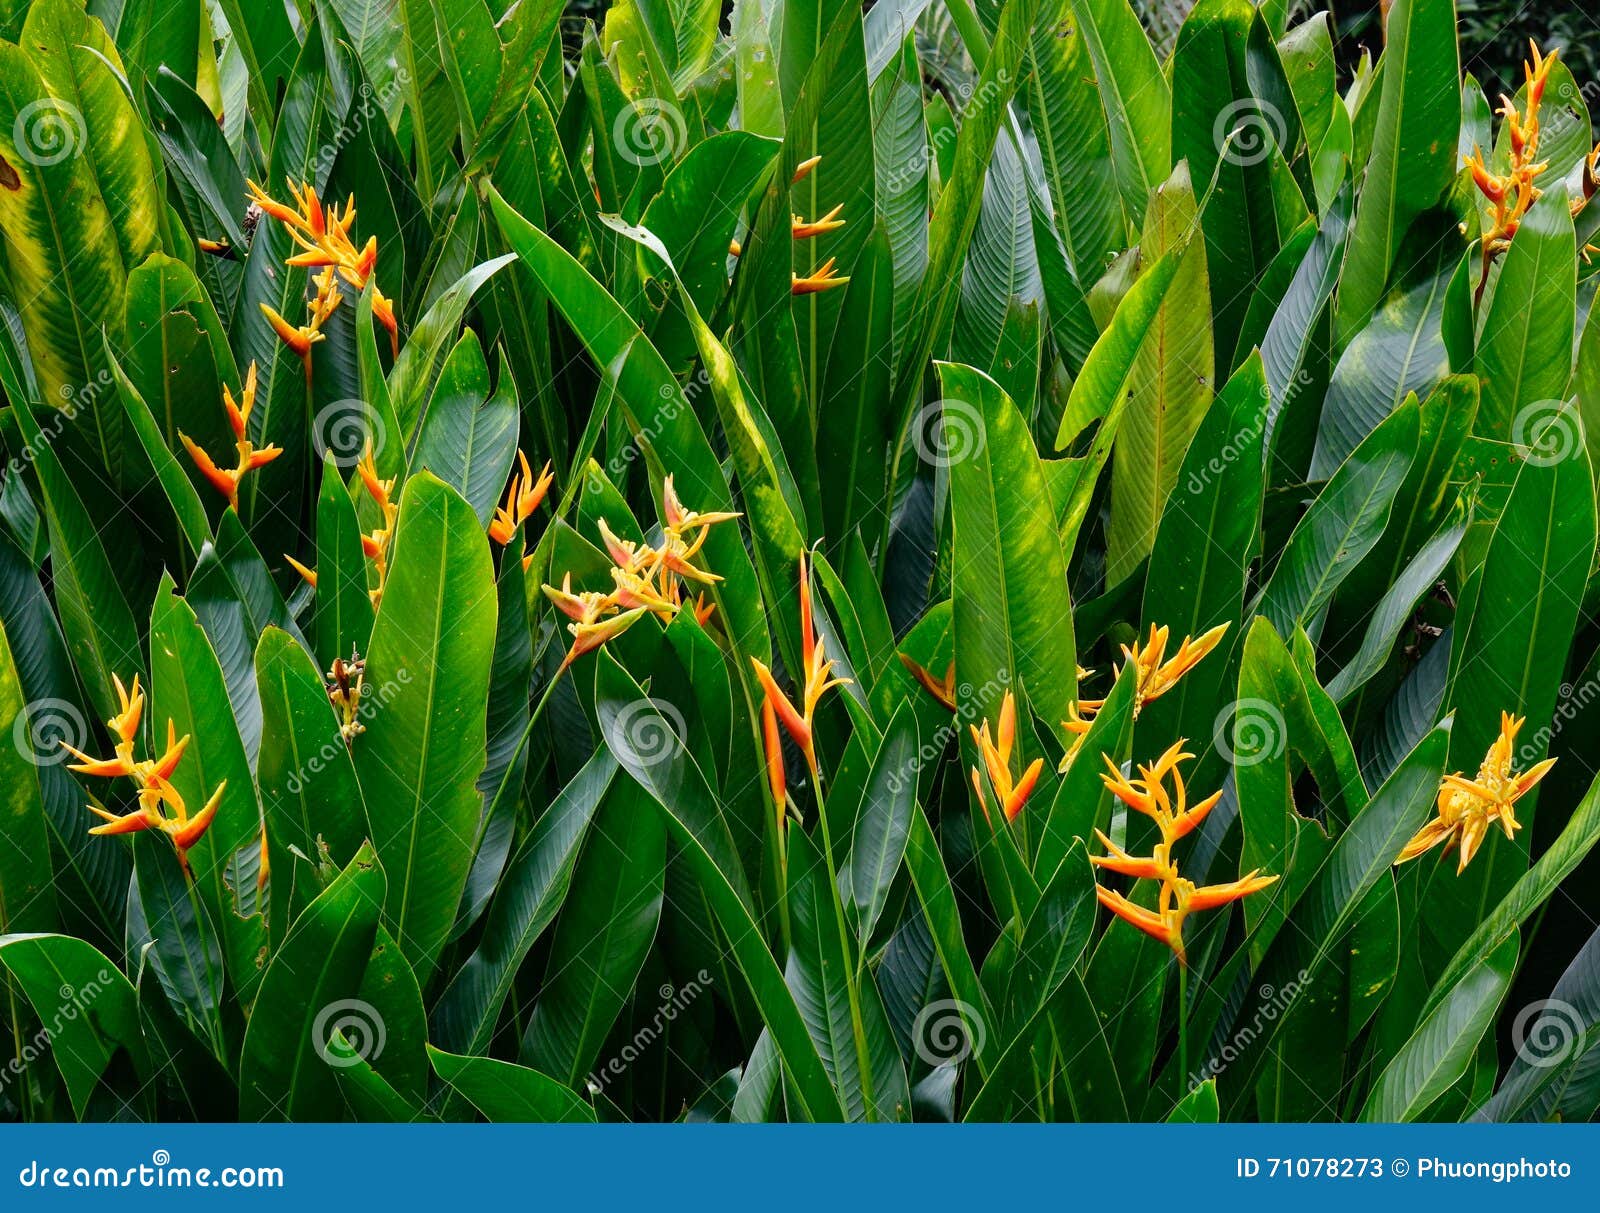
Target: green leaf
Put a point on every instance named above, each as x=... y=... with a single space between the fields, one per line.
x=27 y=893
x=1013 y=614
x=1446 y=1039
x=1510 y=653
x=1359 y=859
x=838 y=999
x=1200 y=562
x=1137 y=99
x=1198 y=1107
x=309 y=796
x=1170 y=383
x=695 y=822
x=1530 y=892
x=508 y=1093
x=878 y=844
x=467 y=437
x=82 y=207
x=177 y=940
x=607 y=925
x=1074 y=142
x=1342 y=524
x=1234 y=123
x=432 y=646
x=310 y=988
x=1413 y=150
x=63 y=978
x=415 y=372
x=86 y=568
x=342 y=607
x=533 y=888
x=1553 y=1074
x=187 y=687
x=1525 y=348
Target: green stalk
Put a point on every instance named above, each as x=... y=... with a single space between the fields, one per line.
x=851 y=985
x=1183 y=1021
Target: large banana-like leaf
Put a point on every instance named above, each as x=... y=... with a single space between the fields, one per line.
x=1413 y=149
x=428 y=674
x=1013 y=613
x=309 y=990
x=79 y=208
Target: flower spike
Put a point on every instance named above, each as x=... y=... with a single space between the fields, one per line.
x=1466 y=808
x=1174 y=818
x=161 y=807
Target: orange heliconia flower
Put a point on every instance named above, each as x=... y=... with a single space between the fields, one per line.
x=805 y=229
x=523 y=497
x=820 y=279
x=161 y=807
x=1174 y=818
x=1157 y=674
x=375 y=543
x=323 y=237
x=226 y=480
x=1511 y=194
x=817 y=678
x=772 y=747
x=1468 y=807
x=996 y=754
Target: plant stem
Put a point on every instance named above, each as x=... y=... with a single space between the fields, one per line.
x=1183 y=1022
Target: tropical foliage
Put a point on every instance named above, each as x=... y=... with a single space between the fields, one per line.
x=792 y=561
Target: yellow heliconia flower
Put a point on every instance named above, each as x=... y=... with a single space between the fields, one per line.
x=1468 y=807
x=1157 y=674
x=996 y=754
x=1175 y=818
x=805 y=229
x=226 y=480
x=645 y=579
